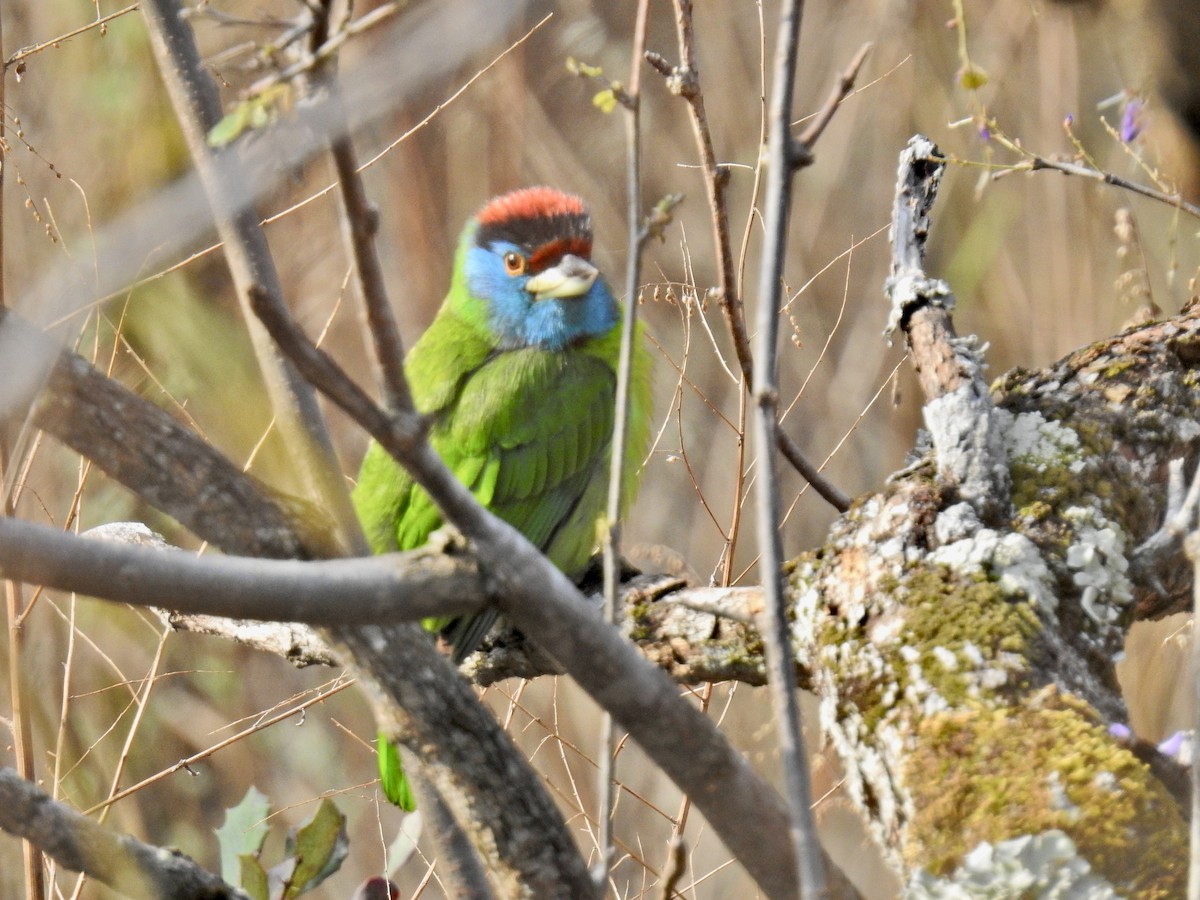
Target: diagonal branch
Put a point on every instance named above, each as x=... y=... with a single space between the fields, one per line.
x=198 y=110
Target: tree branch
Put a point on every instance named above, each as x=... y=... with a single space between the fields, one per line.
x=958 y=409
x=808 y=857
x=119 y=861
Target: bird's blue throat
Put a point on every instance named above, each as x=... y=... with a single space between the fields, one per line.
x=519 y=319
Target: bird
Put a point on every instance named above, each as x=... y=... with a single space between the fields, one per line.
x=516 y=376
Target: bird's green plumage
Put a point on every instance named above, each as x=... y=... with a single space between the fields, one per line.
x=527 y=428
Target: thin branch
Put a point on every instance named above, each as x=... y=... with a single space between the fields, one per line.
x=810 y=868
x=845 y=84
x=636 y=241
x=31 y=49
x=1040 y=163
x=122 y=862
x=397 y=587
x=360 y=224
x=684 y=80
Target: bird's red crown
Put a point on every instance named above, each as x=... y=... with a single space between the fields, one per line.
x=530 y=203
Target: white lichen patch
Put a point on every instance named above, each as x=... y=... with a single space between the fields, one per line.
x=1031 y=439
x=946 y=658
x=1059 y=799
x=1011 y=560
x=1097 y=560
x=1035 y=865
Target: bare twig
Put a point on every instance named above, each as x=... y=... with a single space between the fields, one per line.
x=636 y=240
x=781 y=154
x=840 y=91
x=1039 y=163
x=360 y=223
x=958 y=410
x=684 y=80
x=31 y=49
x=123 y=863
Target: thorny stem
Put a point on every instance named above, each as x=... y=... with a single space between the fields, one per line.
x=782 y=154
x=612 y=543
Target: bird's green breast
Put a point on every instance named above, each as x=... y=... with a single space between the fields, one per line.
x=529 y=432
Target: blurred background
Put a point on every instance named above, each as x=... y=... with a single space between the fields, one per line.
x=1034 y=259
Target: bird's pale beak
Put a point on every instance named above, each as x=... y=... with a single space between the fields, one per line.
x=572 y=277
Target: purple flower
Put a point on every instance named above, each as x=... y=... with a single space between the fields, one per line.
x=1172 y=745
x=1131 y=119
x=1119 y=731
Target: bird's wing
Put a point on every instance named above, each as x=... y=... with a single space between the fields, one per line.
x=528 y=433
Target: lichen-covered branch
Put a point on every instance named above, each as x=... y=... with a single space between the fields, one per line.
x=965 y=669
x=958 y=410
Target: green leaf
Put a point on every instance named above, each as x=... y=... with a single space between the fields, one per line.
x=605 y=100
x=582 y=69
x=391 y=775
x=242 y=833
x=320 y=847
x=252 y=877
x=253 y=113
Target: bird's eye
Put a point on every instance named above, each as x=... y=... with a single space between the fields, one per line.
x=514 y=263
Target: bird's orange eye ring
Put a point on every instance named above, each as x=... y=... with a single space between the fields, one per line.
x=514 y=263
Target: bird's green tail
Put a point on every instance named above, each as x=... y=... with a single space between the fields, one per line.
x=391 y=775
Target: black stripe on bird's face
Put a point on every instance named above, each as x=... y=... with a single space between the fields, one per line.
x=544 y=240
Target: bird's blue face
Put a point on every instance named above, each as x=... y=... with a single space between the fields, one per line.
x=540 y=298
x=525 y=258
